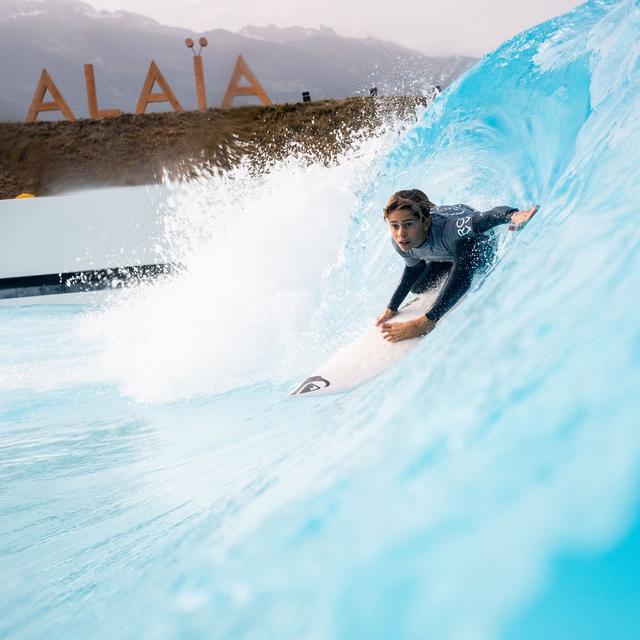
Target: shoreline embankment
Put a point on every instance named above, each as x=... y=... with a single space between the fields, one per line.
x=46 y=158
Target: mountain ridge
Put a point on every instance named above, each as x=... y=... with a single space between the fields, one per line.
x=62 y=35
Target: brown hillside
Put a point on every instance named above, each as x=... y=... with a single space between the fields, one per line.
x=49 y=157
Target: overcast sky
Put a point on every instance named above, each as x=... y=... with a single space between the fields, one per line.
x=437 y=27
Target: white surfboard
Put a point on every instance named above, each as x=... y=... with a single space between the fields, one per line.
x=367 y=356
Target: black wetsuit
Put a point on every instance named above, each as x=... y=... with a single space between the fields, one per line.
x=457 y=243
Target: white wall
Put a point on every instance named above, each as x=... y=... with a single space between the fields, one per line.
x=80 y=231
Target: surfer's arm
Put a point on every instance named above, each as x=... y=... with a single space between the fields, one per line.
x=409 y=277
x=456 y=284
x=486 y=220
x=502 y=215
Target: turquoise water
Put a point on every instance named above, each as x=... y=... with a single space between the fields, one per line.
x=156 y=480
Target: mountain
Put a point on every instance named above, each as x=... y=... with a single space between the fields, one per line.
x=272 y=33
x=62 y=35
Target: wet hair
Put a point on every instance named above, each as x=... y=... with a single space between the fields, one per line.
x=414 y=200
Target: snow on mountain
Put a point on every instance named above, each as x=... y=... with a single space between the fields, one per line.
x=68 y=10
x=273 y=33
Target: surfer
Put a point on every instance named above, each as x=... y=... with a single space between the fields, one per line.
x=439 y=242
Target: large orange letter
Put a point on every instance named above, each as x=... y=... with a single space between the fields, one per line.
x=234 y=89
x=57 y=104
x=146 y=97
x=200 y=90
x=92 y=99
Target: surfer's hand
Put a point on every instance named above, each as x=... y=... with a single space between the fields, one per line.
x=396 y=331
x=387 y=315
x=520 y=218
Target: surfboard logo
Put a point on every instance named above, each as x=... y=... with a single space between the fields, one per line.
x=314 y=383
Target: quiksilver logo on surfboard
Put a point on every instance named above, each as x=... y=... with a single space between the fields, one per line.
x=314 y=383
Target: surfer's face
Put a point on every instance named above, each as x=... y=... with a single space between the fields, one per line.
x=407 y=230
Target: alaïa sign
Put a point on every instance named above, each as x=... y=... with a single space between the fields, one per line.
x=148 y=93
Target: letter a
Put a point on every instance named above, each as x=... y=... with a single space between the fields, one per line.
x=146 y=97
x=57 y=104
x=234 y=89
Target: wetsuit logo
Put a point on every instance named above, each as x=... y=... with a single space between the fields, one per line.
x=463 y=225
x=314 y=383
